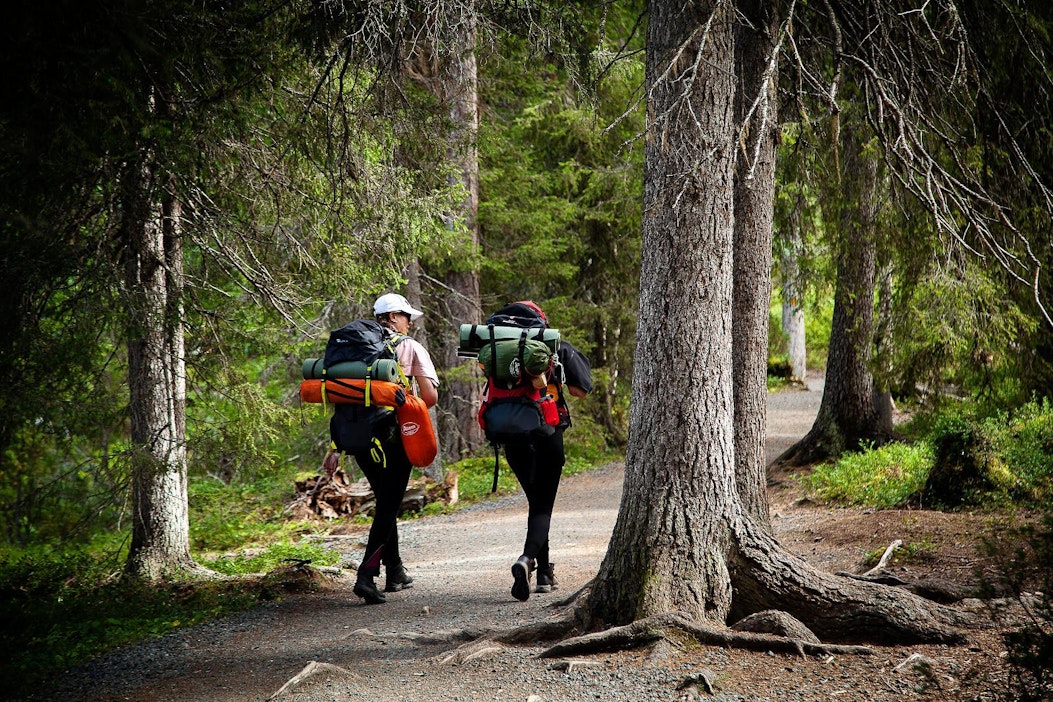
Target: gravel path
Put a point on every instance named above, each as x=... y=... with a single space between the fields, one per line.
x=460 y=563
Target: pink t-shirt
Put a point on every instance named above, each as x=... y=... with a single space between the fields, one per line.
x=415 y=360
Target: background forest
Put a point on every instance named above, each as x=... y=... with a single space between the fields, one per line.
x=293 y=161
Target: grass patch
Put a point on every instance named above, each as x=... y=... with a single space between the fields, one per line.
x=267 y=559
x=884 y=477
x=62 y=608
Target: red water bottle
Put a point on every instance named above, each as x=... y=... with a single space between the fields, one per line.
x=549 y=411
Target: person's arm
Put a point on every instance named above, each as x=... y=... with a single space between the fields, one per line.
x=576 y=391
x=577 y=370
x=428 y=392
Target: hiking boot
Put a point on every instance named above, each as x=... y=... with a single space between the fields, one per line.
x=521 y=578
x=546 y=579
x=398 y=579
x=367 y=590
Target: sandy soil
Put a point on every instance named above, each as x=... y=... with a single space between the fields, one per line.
x=349 y=651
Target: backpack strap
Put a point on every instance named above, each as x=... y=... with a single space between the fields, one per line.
x=393 y=343
x=497 y=466
x=522 y=354
x=493 y=352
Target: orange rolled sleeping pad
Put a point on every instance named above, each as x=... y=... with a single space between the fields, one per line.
x=418 y=436
x=352 y=391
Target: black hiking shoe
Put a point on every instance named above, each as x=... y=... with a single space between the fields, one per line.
x=521 y=578
x=398 y=579
x=546 y=579
x=365 y=589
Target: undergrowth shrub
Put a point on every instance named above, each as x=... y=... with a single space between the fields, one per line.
x=956 y=458
x=1005 y=457
x=885 y=476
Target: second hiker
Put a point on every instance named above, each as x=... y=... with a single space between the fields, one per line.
x=533 y=448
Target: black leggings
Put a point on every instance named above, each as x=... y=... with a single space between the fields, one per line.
x=388 y=475
x=538 y=465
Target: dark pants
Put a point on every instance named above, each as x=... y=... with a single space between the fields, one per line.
x=538 y=465
x=388 y=473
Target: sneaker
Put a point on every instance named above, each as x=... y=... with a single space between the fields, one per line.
x=546 y=579
x=398 y=579
x=521 y=578
x=365 y=589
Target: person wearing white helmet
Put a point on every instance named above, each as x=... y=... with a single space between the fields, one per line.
x=388 y=470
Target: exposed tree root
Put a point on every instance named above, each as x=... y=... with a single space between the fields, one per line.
x=935 y=589
x=885 y=557
x=527 y=634
x=471 y=651
x=661 y=626
x=795 y=608
x=766 y=576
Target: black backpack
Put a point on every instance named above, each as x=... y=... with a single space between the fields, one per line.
x=523 y=314
x=356 y=428
x=517 y=412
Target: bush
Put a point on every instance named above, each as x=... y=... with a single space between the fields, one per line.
x=884 y=477
x=1007 y=456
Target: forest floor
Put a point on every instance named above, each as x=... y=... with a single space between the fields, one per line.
x=337 y=648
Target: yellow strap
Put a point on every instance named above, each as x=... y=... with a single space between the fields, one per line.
x=377 y=452
x=391 y=345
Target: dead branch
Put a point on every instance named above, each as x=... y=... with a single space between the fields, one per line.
x=883 y=561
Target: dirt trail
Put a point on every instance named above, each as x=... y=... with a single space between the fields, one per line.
x=460 y=563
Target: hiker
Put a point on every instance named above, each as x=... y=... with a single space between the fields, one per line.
x=388 y=469
x=537 y=460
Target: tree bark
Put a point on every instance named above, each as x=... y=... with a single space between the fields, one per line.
x=671 y=538
x=460 y=402
x=160 y=545
x=756 y=115
x=446 y=67
x=847 y=415
x=792 y=299
x=683 y=541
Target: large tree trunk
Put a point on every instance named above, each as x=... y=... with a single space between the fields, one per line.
x=460 y=401
x=160 y=544
x=683 y=542
x=848 y=415
x=671 y=538
x=446 y=67
x=756 y=113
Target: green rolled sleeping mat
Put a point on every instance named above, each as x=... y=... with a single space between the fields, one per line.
x=385 y=369
x=475 y=336
x=537 y=359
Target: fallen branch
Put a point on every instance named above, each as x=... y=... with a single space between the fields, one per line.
x=885 y=557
